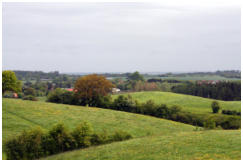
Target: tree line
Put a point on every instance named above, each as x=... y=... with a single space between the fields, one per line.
x=228 y=91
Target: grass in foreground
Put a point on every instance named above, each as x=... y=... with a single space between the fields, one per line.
x=216 y=144
x=188 y=103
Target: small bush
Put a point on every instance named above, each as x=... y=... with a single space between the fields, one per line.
x=149 y=108
x=102 y=101
x=215 y=107
x=209 y=124
x=82 y=135
x=20 y=95
x=231 y=123
x=31 y=98
x=123 y=103
x=99 y=138
x=120 y=136
x=162 y=111
x=26 y=146
x=58 y=140
x=61 y=96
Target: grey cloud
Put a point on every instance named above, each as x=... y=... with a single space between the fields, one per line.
x=109 y=37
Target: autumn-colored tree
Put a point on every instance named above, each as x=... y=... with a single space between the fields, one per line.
x=91 y=87
x=150 y=86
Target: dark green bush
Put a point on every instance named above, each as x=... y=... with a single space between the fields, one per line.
x=123 y=103
x=231 y=123
x=215 y=107
x=57 y=140
x=14 y=149
x=100 y=138
x=230 y=112
x=31 y=98
x=61 y=96
x=162 y=111
x=175 y=109
x=149 y=108
x=120 y=136
x=209 y=124
x=102 y=101
x=26 y=146
x=82 y=135
x=20 y=95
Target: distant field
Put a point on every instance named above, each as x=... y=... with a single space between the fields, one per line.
x=198 y=77
x=188 y=103
x=188 y=77
x=153 y=138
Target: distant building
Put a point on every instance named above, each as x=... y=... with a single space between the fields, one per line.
x=70 y=89
x=115 y=90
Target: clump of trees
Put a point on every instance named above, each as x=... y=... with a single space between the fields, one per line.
x=231 y=112
x=35 y=143
x=62 y=96
x=227 y=91
x=91 y=88
x=29 y=97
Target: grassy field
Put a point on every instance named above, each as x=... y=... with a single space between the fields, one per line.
x=153 y=138
x=185 y=145
x=188 y=103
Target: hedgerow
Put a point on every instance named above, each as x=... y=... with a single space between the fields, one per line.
x=175 y=113
x=34 y=144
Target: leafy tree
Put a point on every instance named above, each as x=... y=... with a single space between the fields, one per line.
x=215 y=106
x=82 y=135
x=136 y=76
x=10 y=82
x=29 y=91
x=91 y=87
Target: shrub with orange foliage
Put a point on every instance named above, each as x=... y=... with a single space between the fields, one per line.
x=91 y=87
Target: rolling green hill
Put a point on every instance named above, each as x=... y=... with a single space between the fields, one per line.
x=188 y=103
x=19 y=115
x=200 y=145
x=153 y=138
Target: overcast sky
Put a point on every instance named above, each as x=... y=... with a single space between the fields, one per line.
x=120 y=37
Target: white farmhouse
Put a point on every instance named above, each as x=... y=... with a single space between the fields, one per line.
x=115 y=90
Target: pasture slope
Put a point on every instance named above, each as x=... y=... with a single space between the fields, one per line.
x=153 y=138
x=193 y=104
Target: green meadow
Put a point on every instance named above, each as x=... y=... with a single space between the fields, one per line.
x=153 y=138
x=19 y=115
x=188 y=103
x=202 y=145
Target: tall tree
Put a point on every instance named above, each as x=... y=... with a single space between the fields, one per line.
x=91 y=87
x=136 y=76
x=10 y=82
